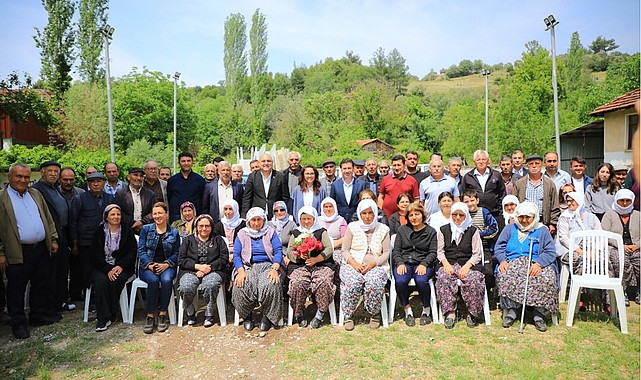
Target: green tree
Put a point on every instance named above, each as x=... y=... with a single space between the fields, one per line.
x=93 y=17
x=576 y=52
x=235 y=60
x=20 y=101
x=85 y=123
x=601 y=44
x=56 y=44
x=258 y=67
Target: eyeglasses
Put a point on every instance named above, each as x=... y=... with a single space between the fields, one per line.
x=152 y=169
x=204 y=227
x=279 y=210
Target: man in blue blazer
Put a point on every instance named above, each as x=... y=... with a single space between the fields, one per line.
x=221 y=188
x=346 y=189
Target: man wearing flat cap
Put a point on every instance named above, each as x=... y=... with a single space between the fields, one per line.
x=540 y=190
x=329 y=168
x=59 y=210
x=136 y=201
x=359 y=168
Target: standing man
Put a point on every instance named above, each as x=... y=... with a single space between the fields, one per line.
x=517 y=163
x=359 y=168
x=113 y=183
x=384 y=167
x=541 y=191
x=69 y=191
x=265 y=187
x=59 y=210
x=237 y=173
x=254 y=165
x=210 y=172
x=558 y=176
x=165 y=173
x=184 y=186
x=67 y=187
x=329 y=168
x=393 y=185
x=509 y=176
x=411 y=160
x=85 y=216
x=153 y=182
x=488 y=185
x=28 y=238
x=135 y=201
x=371 y=177
x=454 y=166
x=434 y=185
x=293 y=171
x=88 y=171
x=579 y=179
x=345 y=190
x=220 y=190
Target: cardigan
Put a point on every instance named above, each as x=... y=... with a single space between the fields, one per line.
x=414 y=247
x=612 y=222
x=125 y=255
x=547 y=250
x=217 y=256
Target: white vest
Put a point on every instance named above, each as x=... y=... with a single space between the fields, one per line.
x=359 y=242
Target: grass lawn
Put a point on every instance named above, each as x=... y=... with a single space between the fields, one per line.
x=592 y=349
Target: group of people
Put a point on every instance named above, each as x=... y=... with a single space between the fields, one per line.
x=283 y=236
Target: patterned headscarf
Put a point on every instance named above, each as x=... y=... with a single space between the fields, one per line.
x=578 y=213
x=279 y=224
x=235 y=219
x=109 y=248
x=189 y=226
x=256 y=234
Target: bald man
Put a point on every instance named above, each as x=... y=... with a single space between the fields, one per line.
x=264 y=187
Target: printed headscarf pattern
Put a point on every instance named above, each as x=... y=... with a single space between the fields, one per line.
x=259 y=212
x=458 y=230
x=279 y=224
x=364 y=205
x=235 y=220
x=109 y=248
x=580 y=209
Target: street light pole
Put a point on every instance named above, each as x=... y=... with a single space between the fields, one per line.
x=108 y=33
x=551 y=22
x=486 y=74
x=176 y=76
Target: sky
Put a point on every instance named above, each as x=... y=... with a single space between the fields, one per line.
x=187 y=36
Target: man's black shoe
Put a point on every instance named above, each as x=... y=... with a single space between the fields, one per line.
x=248 y=324
x=265 y=324
x=21 y=332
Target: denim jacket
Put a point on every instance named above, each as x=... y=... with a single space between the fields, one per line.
x=149 y=240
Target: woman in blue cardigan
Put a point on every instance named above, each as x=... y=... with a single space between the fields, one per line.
x=158 y=248
x=309 y=192
x=512 y=251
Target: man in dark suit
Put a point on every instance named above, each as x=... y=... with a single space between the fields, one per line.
x=266 y=178
x=220 y=190
x=136 y=201
x=489 y=186
x=59 y=210
x=346 y=189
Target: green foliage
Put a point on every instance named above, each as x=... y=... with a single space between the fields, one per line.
x=93 y=17
x=258 y=67
x=86 y=123
x=391 y=67
x=235 y=59
x=141 y=150
x=575 y=57
x=600 y=44
x=20 y=101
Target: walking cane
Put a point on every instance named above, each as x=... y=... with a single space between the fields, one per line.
x=527 y=279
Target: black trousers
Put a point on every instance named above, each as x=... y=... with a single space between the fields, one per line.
x=3 y=298
x=107 y=294
x=36 y=267
x=60 y=275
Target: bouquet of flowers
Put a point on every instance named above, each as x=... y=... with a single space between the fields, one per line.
x=305 y=244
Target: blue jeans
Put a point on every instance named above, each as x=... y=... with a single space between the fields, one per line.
x=403 y=290
x=164 y=282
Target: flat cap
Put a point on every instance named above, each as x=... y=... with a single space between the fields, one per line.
x=136 y=170
x=534 y=157
x=359 y=163
x=619 y=167
x=49 y=163
x=329 y=161
x=96 y=175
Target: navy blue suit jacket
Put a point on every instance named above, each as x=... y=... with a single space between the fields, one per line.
x=347 y=209
x=210 y=198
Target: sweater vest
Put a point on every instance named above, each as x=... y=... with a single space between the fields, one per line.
x=461 y=252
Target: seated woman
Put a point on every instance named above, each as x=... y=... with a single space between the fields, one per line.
x=228 y=227
x=512 y=251
x=365 y=264
x=399 y=218
x=563 y=191
x=113 y=257
x=443 y=217
x=458 y=252
x=509 y=204
x=335 y=225
x=413 y=258
x=185 y=225
x=310 y=272
x=309 y=191
x=258 y=255
x=369 y=194
x=158 y=248
x=203 y=261
x=282 y=222
x=623 y=219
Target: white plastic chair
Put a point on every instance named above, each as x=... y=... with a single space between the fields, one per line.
x=138 y=284
x=384 y=316
x=392 y=291
x=220 y=302
x=124 y=301
x=594 y=273
x=564 y=276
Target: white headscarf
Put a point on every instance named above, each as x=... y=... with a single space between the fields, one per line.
x=235 y=219
x=509 y=199
x=457 y=230
x=256 y=234
x=527 y=208
x=328 y=219
x=623 y=194
x=308 y=210
x=364 y=205
x=580 y=209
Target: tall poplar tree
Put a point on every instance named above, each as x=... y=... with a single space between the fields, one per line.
x=258 y=67
x=235 y=59
x=56 y=44
x=93 y=17
x=576 y=52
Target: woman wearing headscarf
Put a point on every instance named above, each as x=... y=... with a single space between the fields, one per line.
x=365 y=268
x=258 y=255
x=185 y=225
x=512 y=252
x=203 y=261
x=310 y=272
x=623 y=219
x=509 y=204
x=229 y=225
x=113 y=257
x=281 y=222
x=335 y=225
x=458 y=254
